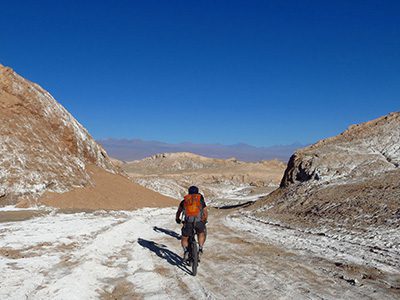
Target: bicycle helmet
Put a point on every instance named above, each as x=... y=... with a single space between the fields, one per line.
x=193 y=190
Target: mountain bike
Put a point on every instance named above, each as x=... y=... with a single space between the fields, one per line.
x=193 y=250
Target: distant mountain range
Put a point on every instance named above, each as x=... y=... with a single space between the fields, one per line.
x=134 y=149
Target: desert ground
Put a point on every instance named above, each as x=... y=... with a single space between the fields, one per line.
x=49 y=254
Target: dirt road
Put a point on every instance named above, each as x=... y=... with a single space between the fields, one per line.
x=237 y=264
x=135 y=255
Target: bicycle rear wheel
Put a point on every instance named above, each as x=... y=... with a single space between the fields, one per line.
x=195 y=257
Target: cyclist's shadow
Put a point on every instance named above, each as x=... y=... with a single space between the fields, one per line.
x=163 y=252
x=167 y=232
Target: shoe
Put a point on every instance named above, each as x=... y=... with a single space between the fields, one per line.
x=185 y=255
x=200 y=254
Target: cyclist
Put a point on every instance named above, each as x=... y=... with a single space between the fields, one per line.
x=195 y=213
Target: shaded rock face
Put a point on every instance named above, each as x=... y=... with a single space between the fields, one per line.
x=362 y=151
x=42 y=147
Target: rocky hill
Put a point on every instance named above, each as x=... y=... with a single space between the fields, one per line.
x=345 y=188
x=172 y=173
x=361 y=152
x=42 y=147
x=354 y=174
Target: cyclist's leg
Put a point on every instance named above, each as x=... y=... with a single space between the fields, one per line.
x=186 y=232
x=184 y=241
x=201 y=233
x=202 y=239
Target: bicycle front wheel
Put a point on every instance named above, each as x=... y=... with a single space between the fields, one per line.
x=195 y=258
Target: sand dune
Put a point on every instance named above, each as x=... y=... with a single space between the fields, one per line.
x=110 y=192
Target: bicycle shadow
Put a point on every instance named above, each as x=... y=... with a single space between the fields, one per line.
x=167 y=232
x=162 y=251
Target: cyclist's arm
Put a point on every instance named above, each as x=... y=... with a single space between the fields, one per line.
x=179 y=212
x=205 y=214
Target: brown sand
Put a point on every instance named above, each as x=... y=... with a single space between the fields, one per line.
x=110 y=192
x=20 y=215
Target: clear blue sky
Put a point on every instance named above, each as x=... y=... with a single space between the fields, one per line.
x=259 y=72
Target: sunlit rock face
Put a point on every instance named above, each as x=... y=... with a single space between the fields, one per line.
x=361 y=152
x=42 y=146
x=348 y=181
x=218 y=179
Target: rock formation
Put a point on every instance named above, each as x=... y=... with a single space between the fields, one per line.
x=352 y=179
x=345 y=190
x=362 y=151
x=172 y=173
x=43 y=148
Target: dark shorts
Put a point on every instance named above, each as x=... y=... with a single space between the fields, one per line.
x=187 y=228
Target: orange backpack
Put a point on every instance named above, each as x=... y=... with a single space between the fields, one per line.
x=192 y=206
